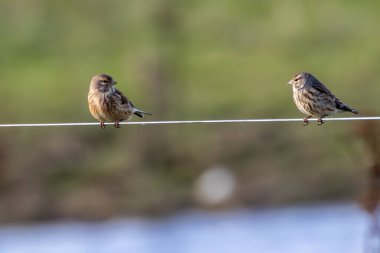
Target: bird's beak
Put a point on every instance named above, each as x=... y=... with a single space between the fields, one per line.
x=290 y=82
x=114 y=82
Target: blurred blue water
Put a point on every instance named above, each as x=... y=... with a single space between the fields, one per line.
x=307 y=229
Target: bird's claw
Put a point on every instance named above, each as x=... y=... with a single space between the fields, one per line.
x=117 y=125
x=320 y=122
x=305 y=122
x=102 y=125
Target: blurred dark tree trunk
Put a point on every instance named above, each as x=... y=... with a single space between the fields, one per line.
x=3 y=158
x=160 y=151
x=163 y=68
x=369 y=131
x=162 y=72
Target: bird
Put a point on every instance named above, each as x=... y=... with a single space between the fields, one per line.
x=314 y=99
x=108 y=104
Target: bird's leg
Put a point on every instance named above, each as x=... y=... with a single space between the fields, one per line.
x=320 y=121
x=117 y=124
x=305 y=121
x=102 y=125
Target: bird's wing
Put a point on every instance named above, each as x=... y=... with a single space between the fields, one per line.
x=126 y=102
x=123 y=99
x=321 y=88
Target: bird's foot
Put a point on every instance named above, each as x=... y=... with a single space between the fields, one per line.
x=320 y=122
x=305 y=121
x=102 y=125
x=117 y=125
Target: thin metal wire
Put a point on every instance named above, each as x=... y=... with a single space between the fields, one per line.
x=174 y=122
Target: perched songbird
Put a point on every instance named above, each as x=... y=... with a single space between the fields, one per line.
x=106 y=103
x=314 y=99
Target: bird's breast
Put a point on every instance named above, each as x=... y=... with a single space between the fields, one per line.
x=108 y=107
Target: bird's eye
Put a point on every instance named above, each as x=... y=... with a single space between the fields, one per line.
x=296 y=79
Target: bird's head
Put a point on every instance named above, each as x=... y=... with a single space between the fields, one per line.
x=103 y=83
x=300 y=79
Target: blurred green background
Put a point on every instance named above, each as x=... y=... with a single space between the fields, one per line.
x=180 y=60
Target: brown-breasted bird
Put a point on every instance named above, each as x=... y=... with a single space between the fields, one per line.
x=108 y=104
x=314 y=99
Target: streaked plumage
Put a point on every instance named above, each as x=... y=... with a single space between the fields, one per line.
x=314 y=99
x=108 y=104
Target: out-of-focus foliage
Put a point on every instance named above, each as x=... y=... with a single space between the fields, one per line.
x=179 y=60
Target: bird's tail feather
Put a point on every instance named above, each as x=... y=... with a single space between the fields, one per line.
x=346 y=108
x=140 y=113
